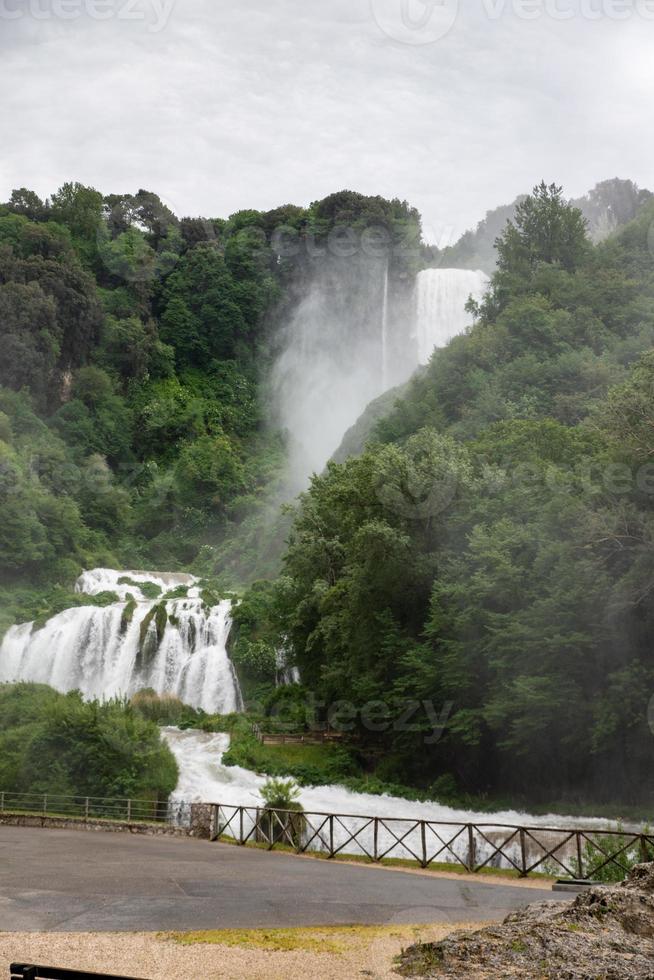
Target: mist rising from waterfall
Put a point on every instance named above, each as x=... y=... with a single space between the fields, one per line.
x=338 y=352
x=356 y=331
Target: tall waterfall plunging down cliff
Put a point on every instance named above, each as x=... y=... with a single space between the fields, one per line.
x=346 y=341
x=358 y=328
x=119 y=649
x=441 y=297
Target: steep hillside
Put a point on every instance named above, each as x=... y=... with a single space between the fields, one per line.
x=482 y=574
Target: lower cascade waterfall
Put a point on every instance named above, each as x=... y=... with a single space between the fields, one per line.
x=174 y=644
x=441 y=297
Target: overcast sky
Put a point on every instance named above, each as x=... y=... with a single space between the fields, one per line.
x=223 y=104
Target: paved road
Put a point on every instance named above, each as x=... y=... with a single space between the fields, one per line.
x=76 y=881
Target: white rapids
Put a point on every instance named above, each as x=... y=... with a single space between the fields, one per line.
x=105 y=653
x=204 y=778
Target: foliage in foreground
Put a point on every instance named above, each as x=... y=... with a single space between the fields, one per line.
x=59 y=744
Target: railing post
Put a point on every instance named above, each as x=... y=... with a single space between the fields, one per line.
x=45 y=803
x=331 y=835
x=642 y=845
x=423 y=841
x=523 y=853
x=129 y=810
x=376 y=840
x=580 y=857
x=472 y=860
x=240 y=815
x=2 y=802
x=86 y=808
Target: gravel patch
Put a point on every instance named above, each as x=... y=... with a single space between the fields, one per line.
x=359 y=952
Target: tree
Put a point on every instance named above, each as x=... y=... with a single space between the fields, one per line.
x=545 y=229
x=31 y=339
x=27 y=202
x=79 y=208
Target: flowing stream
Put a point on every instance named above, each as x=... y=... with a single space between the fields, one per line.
x=204 y=778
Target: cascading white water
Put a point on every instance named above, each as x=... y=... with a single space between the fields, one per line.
x=204 y=778
x=441 y=297
x=384 y=333
x=105 y=653
x=353 y=335
x=346 y=341
x=99 y=580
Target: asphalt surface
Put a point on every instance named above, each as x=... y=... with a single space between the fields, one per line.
x=77 y=881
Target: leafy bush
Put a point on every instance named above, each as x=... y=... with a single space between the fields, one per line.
x=284 y=827
x=165 y=709
x=595 y=853
x=59 y=744
x=281 y=794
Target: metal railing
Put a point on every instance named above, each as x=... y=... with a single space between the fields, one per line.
x=93 y=807
x=26 y=971
x=580 y=853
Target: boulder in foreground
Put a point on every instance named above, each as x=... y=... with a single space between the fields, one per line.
x=607 y=933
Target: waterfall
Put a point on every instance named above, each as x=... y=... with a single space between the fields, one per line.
x=116 y=650
x=441 y=296
x=384 y=332
x=340 y=348
x=356 y=330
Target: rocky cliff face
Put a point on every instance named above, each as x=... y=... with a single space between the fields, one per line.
x=607 y=933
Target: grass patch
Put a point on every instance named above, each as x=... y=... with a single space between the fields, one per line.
x=322 y=939
x=308 y=764
x=437 y=867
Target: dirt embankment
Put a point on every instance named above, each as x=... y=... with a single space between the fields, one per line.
x=606 y=932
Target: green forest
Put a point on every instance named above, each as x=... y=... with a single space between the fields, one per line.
x=471 y=597
x=490 y=553
x=132 y=383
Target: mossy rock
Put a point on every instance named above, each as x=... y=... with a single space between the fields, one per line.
x=128 y=614
x=149 y=589
x=149 y=640
x=179 y=592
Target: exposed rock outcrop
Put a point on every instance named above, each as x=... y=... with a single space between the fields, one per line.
x=606 y=933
